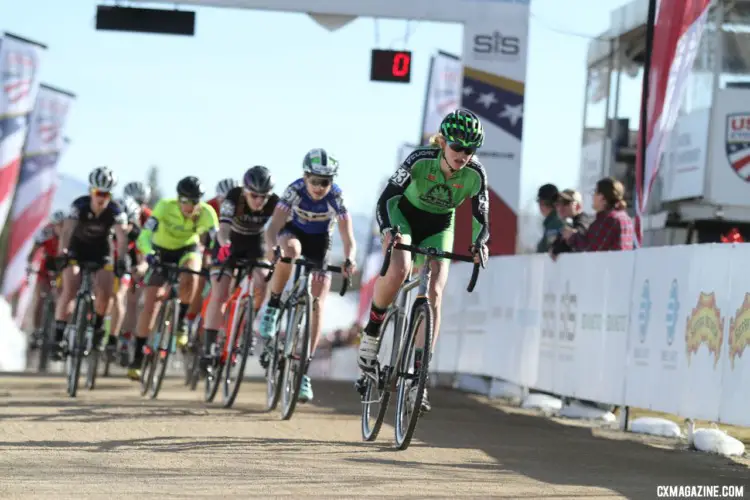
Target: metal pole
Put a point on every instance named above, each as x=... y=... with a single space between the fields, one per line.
x=641 y=168
x=607 y=152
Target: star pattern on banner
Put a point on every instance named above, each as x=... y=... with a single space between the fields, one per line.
x=503 y=108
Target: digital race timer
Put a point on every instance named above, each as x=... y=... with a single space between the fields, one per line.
x=390 y=66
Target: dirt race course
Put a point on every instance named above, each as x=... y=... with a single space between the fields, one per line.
x=111 y=443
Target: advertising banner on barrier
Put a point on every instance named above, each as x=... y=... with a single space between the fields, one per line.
x=443 y=92
x=664 y=328
x=735 y=353
x=19 y=71
x=37 y=180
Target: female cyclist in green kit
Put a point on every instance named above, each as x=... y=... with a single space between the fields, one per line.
x=421 y=198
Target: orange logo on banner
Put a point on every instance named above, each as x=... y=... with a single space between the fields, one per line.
x=705 y=326
x=739 y=331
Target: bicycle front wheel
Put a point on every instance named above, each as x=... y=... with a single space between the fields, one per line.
x=192 y=355
x=275 y=361
x=77 y=344
x=376 y=392
x=165 y=334
x=412 y=382
x=48 y=329
x=297 y=350
x=240 y=342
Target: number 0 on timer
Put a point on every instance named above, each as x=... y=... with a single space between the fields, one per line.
x=390 y=66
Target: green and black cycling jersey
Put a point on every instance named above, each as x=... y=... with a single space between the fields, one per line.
x=420 y=197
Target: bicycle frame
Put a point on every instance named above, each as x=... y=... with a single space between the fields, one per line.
x=399 y=308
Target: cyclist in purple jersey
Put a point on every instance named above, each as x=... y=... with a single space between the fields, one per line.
x=301 y=225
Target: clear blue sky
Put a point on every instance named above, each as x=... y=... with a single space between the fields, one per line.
x=256 y=87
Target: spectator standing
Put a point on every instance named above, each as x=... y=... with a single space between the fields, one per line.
x=570 y=210
x=612 y=229
x=552 y=225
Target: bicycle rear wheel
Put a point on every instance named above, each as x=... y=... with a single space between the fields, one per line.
x=165 y=333
x=407 y=412
x=48 y=327
x=92 y=362
x=77 y=345
x=377 y=393
x=192 y=355
x=213 y=377
x=275 y=364
x=297 y=355
x=240 y=343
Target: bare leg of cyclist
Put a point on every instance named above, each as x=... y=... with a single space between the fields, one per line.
x=152 y=296
x=197 y=302
x=214 y=315
x=260 y=288
x=39 y=288
x=103 y=286
x=118 y=313
x=321 y=284
x=188 y=291
x=291 y=248
x=386 y=289
x=71 y=280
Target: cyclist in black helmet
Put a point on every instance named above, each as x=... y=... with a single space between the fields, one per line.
x=171 y=235
x=243 y=215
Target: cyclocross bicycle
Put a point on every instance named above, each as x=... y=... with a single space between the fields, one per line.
x=43 y=337
x=81 y=335
x=394 y=371
x=229 y=366
x=192 y=352
x=161 y=342
x=287 y=362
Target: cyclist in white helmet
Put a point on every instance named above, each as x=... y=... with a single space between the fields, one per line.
x=46 y=241
x=86 y=238
x=132 y=210
x=301 y=225
x=210 y=247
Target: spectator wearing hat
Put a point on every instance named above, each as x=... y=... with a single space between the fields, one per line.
x=570 y=210
x=552 y=225
x=612 y=229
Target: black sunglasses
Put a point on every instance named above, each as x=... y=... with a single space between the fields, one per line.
x=458 y=148
x=320 y=182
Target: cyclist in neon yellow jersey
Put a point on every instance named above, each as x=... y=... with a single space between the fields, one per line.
x=421 y=198
x=172 y=235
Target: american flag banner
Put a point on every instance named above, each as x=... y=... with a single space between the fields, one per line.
x=19 y=85
x=678 y=28
x=37 y=179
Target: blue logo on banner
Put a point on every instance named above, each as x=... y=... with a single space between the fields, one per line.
x=673 y=308
x=644 y=312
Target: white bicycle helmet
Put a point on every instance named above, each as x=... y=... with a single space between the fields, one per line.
x=57 y=217
x=138 y=191
x=131 y=208
x=319 y=162
x=224 y=186
x=102 y=178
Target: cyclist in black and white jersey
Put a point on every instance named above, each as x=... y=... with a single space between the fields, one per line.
x=242 y=217
x=86 y=237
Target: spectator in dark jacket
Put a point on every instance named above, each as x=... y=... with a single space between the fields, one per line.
x=570 y=210
x=612 y=229
x=552 y=225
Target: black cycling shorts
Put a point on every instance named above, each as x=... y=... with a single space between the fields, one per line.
x=315 y=246
x=243 y=247
x=167 y=257
x=96 y=252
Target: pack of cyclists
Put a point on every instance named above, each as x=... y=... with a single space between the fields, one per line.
x=248 y=220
